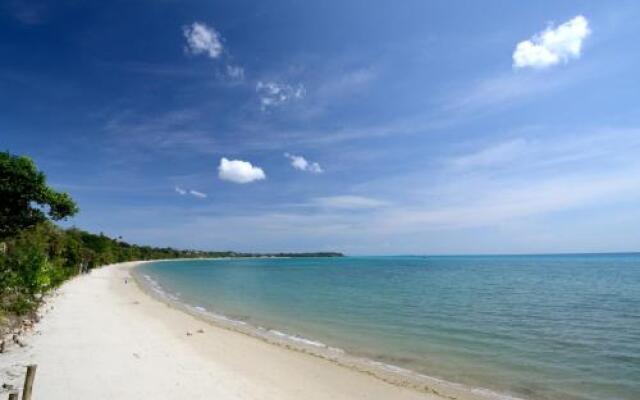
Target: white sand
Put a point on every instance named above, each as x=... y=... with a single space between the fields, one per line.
x=107 y=340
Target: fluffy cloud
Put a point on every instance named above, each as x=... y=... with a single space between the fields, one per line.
x=180 y=191
x=274 y=94
x=552 y=46
x=239 y=171
x=202 y=39
x=299 y=162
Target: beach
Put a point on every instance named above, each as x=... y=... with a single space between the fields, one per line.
x=102 y=338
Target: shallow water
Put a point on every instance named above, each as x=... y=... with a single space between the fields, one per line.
x=538 y=327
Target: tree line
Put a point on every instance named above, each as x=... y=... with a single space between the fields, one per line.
x=36 y=255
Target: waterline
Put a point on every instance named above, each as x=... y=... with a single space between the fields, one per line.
x=528 y=327
x=386 y=372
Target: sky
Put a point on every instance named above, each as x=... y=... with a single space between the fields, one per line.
x=367 y=127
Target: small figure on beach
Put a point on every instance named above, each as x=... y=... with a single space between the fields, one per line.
x=125 y=281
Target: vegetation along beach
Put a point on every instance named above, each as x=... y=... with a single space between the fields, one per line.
x=329 y=200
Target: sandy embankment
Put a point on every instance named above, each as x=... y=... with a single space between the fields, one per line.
x=105 y=339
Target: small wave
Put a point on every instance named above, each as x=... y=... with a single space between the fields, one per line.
x=299 y=339
x=391 y=367
x=224 y=318
x=481 y=392
x=217 y=317
x=492 y=394
x=159 y=290
x=155 y=286
x=200 y=309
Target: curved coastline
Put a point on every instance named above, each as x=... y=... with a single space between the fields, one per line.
x=389 y=373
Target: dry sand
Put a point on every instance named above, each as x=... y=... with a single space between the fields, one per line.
x=104 y=339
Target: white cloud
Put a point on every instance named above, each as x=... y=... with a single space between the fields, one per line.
x=552 y=46
x=301 y=163
x=274 y=94
x=347 y=202
x=194 y=193
x=203 y=39
x=235 y=72
x=197 y=194
x=239 y=171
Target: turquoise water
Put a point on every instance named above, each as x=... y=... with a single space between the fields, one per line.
x=534 y=327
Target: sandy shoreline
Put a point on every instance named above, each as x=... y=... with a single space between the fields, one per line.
x=104 y=339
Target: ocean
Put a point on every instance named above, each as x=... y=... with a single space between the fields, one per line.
x=528 y=327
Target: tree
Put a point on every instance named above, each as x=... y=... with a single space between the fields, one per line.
x=25 y=198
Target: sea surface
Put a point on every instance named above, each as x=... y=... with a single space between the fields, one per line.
x=530 y=327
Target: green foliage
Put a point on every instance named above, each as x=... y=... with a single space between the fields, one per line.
x=42 y=257
x=25 y=198
x=36 y=255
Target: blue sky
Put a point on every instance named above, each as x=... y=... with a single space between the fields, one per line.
x=367 y=127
